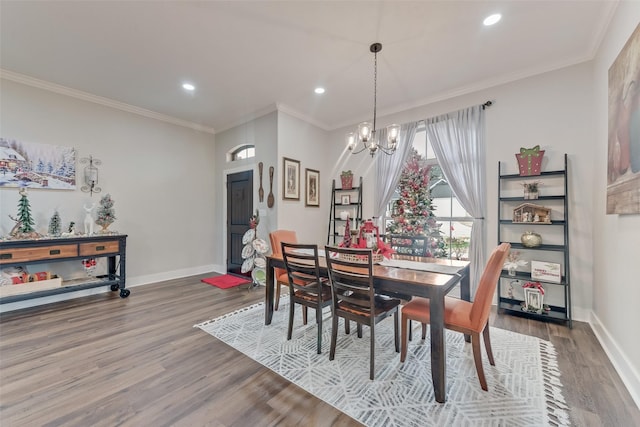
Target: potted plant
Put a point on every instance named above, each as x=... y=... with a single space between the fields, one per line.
x=531 y=189
x=347 y=180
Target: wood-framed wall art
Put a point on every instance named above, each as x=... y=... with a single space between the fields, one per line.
x=623 y=163
x=312 y=188
x=33 y=165
x=290 y=179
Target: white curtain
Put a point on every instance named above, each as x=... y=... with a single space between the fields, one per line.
x=389 y=168
x=458 y=141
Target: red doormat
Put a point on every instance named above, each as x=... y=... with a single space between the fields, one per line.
x=226 y=281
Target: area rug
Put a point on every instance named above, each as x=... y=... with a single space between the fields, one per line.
x=226 y=281
x=524 y=386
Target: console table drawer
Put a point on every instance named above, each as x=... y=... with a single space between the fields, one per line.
x=35 y=254
x=99 y=248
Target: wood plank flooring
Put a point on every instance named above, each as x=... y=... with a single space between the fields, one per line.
x=106 y=361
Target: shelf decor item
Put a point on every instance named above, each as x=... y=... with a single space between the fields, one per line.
x=530 y=161
x=531 y=189
x=347 y=180
x=533 y=297
x=529 y=212
x=513 y=262
x=546 y=271
x=531 y=239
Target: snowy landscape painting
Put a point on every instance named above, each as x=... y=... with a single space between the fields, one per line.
x=26 y=164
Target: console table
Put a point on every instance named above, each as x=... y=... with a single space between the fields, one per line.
x=24 y=252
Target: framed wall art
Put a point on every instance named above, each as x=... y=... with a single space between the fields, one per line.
x=290 y=179
x=623 y=160
x=32 y=165
x=312 y=186
x=345 y=199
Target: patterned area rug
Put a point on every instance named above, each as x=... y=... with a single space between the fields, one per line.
x=524 y=386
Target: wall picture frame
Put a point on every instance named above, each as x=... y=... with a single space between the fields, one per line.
x=345 y=199
x=34 y=165
x=312 y=188
x=290 y=179
x=623 y=160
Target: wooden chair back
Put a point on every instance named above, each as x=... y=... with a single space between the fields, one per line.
x=351 y=278
x=303 y=269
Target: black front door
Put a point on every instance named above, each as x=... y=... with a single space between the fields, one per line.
x=239 y=210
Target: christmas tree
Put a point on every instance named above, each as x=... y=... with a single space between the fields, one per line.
x=54 y=224
x=106 y=214
x=24 y=213
x=413 y=212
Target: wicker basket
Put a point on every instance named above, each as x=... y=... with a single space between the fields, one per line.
x=376 y=258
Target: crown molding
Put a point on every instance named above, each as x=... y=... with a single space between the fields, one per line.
x=290 y=111
x=85 y=96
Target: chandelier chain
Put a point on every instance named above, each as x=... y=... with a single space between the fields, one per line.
x=375 y=88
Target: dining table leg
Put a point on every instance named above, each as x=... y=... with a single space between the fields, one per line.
x=438 y=348
x=269 y=294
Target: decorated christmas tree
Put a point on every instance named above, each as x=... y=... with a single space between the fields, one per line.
x=413 y=212
x=24 y=213
x=54 y=224
x=106 y=213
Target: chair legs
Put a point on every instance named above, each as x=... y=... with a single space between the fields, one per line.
x=406 y=332
x=277 y=302
x=334 y=336
x=487 y=344
x=477 y=358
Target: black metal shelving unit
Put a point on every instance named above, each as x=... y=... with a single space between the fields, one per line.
x=560 y=252
x=355 y=195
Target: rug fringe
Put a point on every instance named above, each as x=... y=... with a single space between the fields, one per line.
x=224 y=316
x=557 y=408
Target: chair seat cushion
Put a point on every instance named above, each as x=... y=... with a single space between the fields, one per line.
x=457 y=312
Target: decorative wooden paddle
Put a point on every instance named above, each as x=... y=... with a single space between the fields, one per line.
x=261 y=190
x=270 y=200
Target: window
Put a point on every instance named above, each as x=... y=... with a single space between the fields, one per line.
x=243 y=152
x=452 y=221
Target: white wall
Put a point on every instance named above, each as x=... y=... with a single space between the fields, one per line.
x=261 y=132
x=299 y=140
x=554 y=110
x=616 y=237
x=160 y=176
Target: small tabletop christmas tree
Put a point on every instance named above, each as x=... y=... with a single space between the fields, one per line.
x=106 y=213
x=54 y=225
x=24 y=213
x=413 y=211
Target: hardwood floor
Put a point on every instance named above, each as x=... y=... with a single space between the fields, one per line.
x=106 y=361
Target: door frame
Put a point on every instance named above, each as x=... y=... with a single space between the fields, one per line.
x=225 y=175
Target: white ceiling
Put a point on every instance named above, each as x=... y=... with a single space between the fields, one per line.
x=245 y=57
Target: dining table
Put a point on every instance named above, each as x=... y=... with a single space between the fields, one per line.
x=432 y=279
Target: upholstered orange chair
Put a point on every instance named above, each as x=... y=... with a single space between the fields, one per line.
x=463 y=316
x=277 y=237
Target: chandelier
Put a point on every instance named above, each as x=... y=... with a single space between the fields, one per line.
x=366 y=133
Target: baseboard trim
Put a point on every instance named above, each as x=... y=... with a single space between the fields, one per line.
x=620 y=361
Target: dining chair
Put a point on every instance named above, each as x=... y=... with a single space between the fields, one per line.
x=470 y=318
x=353 y=296
x=306 y=287
x=277 y=237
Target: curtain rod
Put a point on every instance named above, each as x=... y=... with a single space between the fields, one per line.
x=487 y=104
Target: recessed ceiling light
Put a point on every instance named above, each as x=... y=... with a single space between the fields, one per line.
x=188 y=86
x=319 y=90
x=492 y=19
